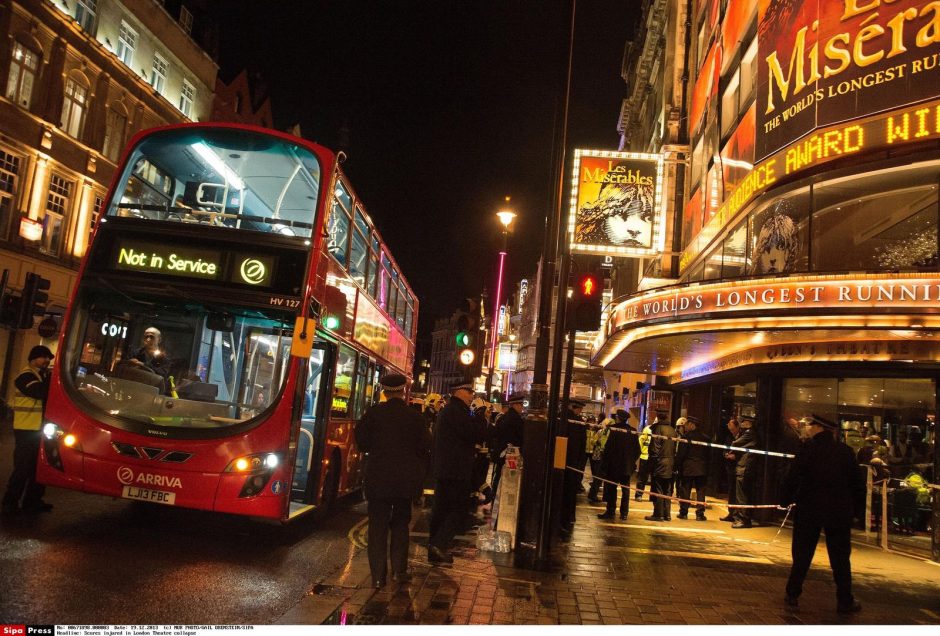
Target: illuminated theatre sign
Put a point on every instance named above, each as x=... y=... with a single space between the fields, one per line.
x=835 y=78
x=616 y=203
x=724 y=300
x=822 y=62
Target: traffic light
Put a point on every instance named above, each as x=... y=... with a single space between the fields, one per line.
x=466 y=353
x=586 y=302
x=34 y=299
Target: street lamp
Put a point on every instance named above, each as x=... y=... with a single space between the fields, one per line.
x=506 y=217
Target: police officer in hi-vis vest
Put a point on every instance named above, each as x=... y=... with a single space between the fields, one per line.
x=32 y=387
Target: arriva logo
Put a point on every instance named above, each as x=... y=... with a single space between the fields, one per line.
x=252 y=271
x=126 y=476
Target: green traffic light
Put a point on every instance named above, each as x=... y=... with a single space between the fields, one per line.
x=463 y=339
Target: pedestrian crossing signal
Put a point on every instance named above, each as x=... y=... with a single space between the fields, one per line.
x=463 y=339
x=586 y=302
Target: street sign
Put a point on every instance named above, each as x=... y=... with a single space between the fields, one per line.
x=48 y=327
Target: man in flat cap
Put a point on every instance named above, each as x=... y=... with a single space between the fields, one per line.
x=621 y=452
x=32 y=387
x=577 y=449
x=398 y=444
x=508 y=432
x=456 y=435
x=828 y=492
x=691 y=466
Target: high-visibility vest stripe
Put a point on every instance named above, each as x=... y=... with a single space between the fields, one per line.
x=27 y=411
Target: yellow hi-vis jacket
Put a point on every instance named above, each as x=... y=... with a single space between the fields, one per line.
x=27 y=411
x=645 y=443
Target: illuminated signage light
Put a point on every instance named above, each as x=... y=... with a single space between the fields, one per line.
x=906 y=125
x=191 y=262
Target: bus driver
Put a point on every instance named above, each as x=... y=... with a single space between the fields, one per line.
x=149 y=356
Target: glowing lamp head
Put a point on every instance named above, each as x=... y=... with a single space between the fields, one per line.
x=242 y=464
x=331 y=322
x=49 y=430
x=69 y=440
x=506 y=217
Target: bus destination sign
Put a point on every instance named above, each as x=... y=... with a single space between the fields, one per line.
x=189 y=262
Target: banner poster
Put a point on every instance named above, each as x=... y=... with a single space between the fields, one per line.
x=823 y=62
x=616 y=204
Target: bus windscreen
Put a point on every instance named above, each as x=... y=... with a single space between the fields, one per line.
x=221 y=177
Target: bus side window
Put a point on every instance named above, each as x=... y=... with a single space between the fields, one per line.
x=312 y=388
x=362 y=379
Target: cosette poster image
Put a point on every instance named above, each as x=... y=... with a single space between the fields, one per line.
x=615 y=203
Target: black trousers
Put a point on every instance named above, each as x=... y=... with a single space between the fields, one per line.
x=839 y=546
x=684 y=491
x=497 y=472
x=449 y=512
x=388 y=517
x=569 y=498
x=23 y=485
x=742 y=488
x=662 y=507
x=595 y=479
x=642 y=476
x=610 y=495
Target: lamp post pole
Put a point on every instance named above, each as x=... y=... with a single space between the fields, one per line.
x=506 y=218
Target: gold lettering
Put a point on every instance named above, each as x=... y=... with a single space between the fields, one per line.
x=838 y=54
x=931 y=31
x=776 y=72
x=896 y=24
x=898 y=132
x=870 y=32
x=852 y=9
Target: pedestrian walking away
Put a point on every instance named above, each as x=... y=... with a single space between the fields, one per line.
x=396 y=440
x=617 y=464
x=32 y=386
x=662 y=466
x=577 y=443
x=456 y=435
x=692 y=468
x=828 y=493
x=745 y=473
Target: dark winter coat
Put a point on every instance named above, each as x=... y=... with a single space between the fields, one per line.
x=621 y=452
x=745 y=462
x=692 y=459
x=509 y=430
x=825 y=484
x=663 y=451
x=398 y=443
x=456 y=435
x=577 y=440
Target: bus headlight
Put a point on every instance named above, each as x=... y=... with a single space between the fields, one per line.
x=53 y=436
x=257 y=468
x=49 y=430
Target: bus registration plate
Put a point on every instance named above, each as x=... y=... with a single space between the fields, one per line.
x=145 y=494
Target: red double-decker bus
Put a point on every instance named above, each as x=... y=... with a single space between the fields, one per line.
x=230 y=322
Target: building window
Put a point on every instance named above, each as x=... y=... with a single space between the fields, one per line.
x=729 y=103
x=58 y=204
x=96 y=208
x=115 y=133
x=23 y=70
x=748 y=74
x=187 y=96
x=186 y=20
x=9 y=172
x=74 y=106
x=158 y=74
x=127 y=43
x=85 y=13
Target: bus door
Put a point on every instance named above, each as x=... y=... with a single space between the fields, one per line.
x=312 y=423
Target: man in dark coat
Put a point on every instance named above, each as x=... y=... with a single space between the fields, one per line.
x=398 y=444
x=577 y=448
x=618 y=462
x=734 y=429
x=828 y=492
x=692 y=467
x=456 y=435
x=745 y=472
x=508 y=432
x=662 y=459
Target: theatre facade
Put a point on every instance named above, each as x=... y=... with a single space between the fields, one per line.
x=807 y=272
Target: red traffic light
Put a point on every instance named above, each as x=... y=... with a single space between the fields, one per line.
x=588 y=286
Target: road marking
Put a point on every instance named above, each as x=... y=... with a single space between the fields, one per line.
x=700 y=555
x=662 y=528
x=356 y=534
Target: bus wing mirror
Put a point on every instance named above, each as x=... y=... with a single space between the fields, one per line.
x=221 y=321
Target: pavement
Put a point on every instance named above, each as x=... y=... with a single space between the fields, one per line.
x=680 y=573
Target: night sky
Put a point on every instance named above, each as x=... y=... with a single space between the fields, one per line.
x=443 y=108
